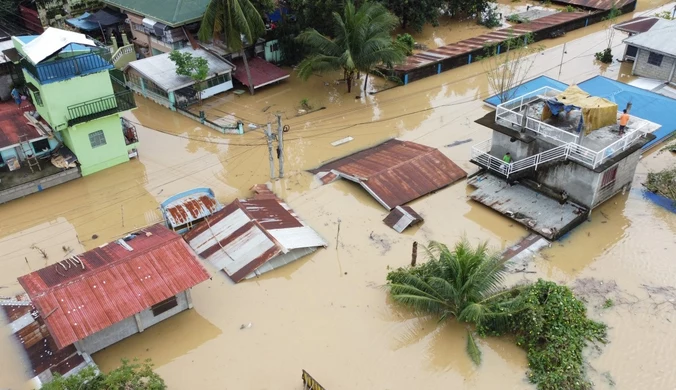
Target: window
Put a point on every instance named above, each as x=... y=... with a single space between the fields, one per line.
x=37 y=98
x=97 y=139
x=164 y=306
x=41 y=146
x=138 y=27
x=609 y=177
x=655 y=59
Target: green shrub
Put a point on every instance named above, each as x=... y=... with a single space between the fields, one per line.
x=407 y=41
x=604 y=56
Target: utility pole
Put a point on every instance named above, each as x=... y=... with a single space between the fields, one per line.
x=561 y=64
x=280 y=145
x=268 y=136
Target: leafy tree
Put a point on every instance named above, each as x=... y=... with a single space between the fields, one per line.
x=137 y=376
x=407 y=41
x=415 y=13
x=264 y=6
x=316 y=14
x=361 y=41
x=197 y=68
x=469 y=8
x=464 y=283
x=553 y=329
x=236 y=19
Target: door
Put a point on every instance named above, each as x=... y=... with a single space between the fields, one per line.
x=631 y=51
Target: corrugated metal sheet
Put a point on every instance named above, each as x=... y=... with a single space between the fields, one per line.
x=91 y=291
x=190 y=208
x=249 y=237
x=38 y=344
x=596 y=4
x=402 y=217
x=469 y=45
x=659 y=39
x=637 y=25
x=396 y=172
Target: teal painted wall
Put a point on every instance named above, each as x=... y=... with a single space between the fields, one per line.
x=56 y=97
x=96 y=159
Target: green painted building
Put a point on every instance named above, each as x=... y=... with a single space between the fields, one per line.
x=77 y=91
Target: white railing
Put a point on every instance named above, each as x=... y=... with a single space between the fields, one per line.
x=549 y=131
x=529 y=97
x=122 y=51
x=618 y=146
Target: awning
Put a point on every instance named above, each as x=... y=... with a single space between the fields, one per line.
x=159 y=29
x=106 y=17
x=262 y=72
x=82 y=24
x=149 y=23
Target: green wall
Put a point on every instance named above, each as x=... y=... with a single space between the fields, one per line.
x=56 y=97
x=95 y=159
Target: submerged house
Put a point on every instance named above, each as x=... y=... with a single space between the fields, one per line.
x=556 y=155
x=97 y=298
x=250 y=237
x=155 y=78
x=632 y=27
x=655 y=51
x=76 y=91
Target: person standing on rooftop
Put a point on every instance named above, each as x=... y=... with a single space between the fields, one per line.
x=624 y=119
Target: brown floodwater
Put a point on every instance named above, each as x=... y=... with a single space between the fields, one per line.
x=328 y=313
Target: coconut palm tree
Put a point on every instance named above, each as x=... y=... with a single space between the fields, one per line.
x=360 y=42
x=463 y=284
x=237 y=20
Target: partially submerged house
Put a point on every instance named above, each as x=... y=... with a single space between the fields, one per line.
x=75 y=89
x=97 y=298
x=655 y=51
x=394 y=172
x=632 y=27
x=567 y=157
x=252 y=236
x=155 y=78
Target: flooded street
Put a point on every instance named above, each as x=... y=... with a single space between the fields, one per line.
x=328 y=313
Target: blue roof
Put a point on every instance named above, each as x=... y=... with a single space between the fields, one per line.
x=527 y=87
x=26 y=38
x=82 y=24
x=645 y=104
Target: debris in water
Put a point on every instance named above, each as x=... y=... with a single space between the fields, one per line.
x=381 y=241
x=456 y=143
x=252 y=126
x=342 y=141
x=95 y=236
x=246 y=326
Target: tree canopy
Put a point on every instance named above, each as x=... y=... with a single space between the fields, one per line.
x=231 y=20
x=361 y=40
x=416 y=13
x=134 y=375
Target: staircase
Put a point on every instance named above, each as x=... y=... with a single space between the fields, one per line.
x=28 y=153
x=517 y=169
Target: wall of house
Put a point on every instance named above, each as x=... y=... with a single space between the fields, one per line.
x=579 y=182
x=501 y=144
x=129 y=326
x=58 y=96
x=105 y=156
x=643 y=68
x=41 y=184
x=626 y=170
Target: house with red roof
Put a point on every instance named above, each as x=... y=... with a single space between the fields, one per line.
x=90 y=301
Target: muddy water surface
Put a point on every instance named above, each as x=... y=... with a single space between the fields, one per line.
x=327 y=313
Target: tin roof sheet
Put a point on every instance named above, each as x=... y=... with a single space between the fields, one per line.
x=395 y=172
x=659 y=39
x=51 y=41
x=189 y=207
x=637 y=25
x=596 y=4
x=402 y=217
x=247 y=234
x=91 y=291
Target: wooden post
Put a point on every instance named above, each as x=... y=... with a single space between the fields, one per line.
x=268 y=136
x=280 y=145
x=414 y=253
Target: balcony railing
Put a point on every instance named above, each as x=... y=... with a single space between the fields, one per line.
x=98 y=108
x=66 y=68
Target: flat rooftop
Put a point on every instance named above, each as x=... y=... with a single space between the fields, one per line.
x=535 y=211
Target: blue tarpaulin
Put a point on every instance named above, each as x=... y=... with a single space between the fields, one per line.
x=82 y=24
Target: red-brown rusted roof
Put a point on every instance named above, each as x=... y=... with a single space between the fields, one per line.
x=402 y=217
x=469 y=45
x=396 y=172
x=13 y=124
x=250 y=237
x=262 y=72
x=596 y=4
x=190 y=206
x=39 y=345
x=637 y=25
x=91 y=291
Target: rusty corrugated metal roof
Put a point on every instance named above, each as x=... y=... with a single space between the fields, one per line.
x=637 y=25
x=250 y=237
x=190 y=206
x=395 y=172
x=469 y=45
x=42 y=352
x=91 y=291
x=596 y=4
x=402 y=217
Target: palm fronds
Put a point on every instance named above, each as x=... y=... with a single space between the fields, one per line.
x=472 y=349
